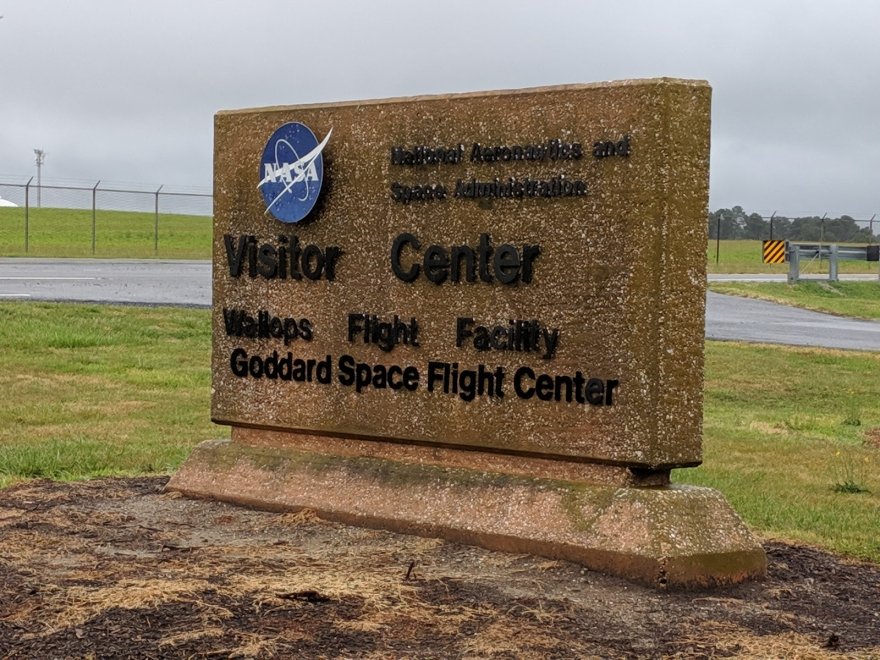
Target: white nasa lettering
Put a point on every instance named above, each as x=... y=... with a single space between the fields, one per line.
x=309 y=174
x=271 y=173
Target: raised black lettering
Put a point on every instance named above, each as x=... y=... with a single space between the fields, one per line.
x=595 y=391
x=523 y=391
x=610 y=386
x=312 y=254
x=331 y=257
x=235 y=255
x=436 y=264
x=397 y=246
x=529 y=254
x=460 y=252
x=268 y=261
x=506 y=264
x=238 y=362
x=463 y=330
x=485 y=252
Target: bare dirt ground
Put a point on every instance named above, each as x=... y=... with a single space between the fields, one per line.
x=114 y=568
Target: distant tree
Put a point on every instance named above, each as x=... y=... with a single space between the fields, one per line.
x=864 y=235
x=736 y=223
x=781 y=227
x=755 y=227
x=712 y=224
x=843 y=230
x=806 y=229
x=728 y=221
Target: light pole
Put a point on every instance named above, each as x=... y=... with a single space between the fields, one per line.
x=41 y=156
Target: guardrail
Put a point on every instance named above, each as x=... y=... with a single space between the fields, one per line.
x=797 y=252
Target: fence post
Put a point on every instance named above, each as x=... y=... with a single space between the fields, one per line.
x=156 y=224
x=27 y=209
x=94 y=214
x=832 y=264
x=794 y=263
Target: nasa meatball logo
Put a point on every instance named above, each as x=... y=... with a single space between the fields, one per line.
x=291 y=172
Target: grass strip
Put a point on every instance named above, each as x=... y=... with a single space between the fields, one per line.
x=745 y=256
x=120 y=234
x=855 y=299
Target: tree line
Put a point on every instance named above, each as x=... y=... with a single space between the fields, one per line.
x=735 y=223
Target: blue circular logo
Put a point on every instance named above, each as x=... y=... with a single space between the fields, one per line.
x=291 y=172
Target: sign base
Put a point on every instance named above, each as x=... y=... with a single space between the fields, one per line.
x=607 y=518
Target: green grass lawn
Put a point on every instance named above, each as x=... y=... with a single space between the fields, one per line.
x=101 y=390
x=785 y=431
x=745 y=257
x=855 y=299
x=121 y=234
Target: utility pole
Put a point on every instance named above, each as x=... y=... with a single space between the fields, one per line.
x=41 y=156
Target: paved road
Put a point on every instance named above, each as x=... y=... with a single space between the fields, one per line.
x=102 y=280
x=742 y=319
x=189 y=283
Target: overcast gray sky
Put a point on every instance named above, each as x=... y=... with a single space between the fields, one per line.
x=125 y=91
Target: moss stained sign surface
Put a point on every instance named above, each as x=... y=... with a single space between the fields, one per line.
x=520 y=270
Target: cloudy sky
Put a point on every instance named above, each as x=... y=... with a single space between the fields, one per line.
x=125 y=91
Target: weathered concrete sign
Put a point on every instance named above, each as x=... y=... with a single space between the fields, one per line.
x=513 y=277
x=517 y=271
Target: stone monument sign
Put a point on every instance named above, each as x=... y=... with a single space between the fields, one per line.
x=478 y=316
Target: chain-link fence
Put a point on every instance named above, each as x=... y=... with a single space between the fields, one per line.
x=735 y=239
x=736 y=224
x=103 y=219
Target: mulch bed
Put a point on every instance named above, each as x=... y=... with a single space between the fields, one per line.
x=115 y=568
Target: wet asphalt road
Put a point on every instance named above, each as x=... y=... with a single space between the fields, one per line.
x=188 y=283
x=145 y=281
x=741 y=319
